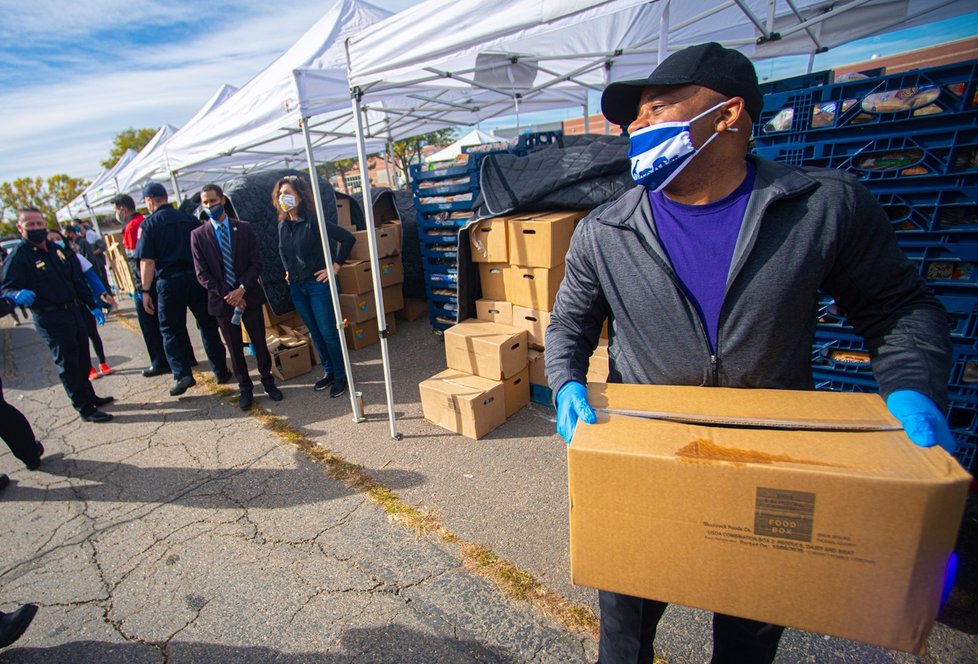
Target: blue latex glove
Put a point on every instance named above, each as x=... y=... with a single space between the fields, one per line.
x=24 y=298
x=99 y=315
x=571 y=405
x=922 y=421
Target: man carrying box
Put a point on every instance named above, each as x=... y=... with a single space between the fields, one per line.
x=709 y=272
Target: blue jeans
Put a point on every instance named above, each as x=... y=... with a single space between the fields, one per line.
x=315 y=307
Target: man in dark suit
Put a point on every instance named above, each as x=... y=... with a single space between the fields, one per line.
x=226 y=261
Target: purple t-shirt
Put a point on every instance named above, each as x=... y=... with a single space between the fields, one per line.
x=699 y=241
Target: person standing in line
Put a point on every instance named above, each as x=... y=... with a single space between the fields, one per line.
x=97 y=244
x=300 y=248
x=42 y=276
x=164 y=256
x=225 y=253
x=708 y=273
x=15 y=430
x=149 y=324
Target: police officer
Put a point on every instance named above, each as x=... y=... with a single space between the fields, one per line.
x=40 y=275
x=164 y=257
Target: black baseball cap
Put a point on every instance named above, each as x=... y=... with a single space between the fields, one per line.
x=154 y=190
x=721 y=69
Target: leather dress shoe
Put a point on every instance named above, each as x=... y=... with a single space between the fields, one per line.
x=182 y=386
x=4 y=481
x=97 y=416
x=13 y=625
x=34 y=465
x=149 y=372
x=102 y=401
x=246 y=401
x=274 y=393
x=222 y=378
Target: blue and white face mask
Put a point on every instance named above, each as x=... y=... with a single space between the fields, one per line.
x=660 y=151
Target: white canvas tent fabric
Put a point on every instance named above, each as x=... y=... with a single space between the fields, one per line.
x=146 y=156
x=474 y=137
x=104 y=184
x=259 y=126
x=155 y=164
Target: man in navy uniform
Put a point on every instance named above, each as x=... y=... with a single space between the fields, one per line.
x=164 y=257
x=40 y=275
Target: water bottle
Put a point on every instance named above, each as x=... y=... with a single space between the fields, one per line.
x=236 y=316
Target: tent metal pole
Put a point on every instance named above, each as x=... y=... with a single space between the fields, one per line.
x=176 y=188
x=91 y=213
x=586 y=124
x=388 y=158
x=663 y=33
x=356 y=398
x=368 y=212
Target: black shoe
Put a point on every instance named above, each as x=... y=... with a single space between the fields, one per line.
x=97 y=416
x=339 y=387
x=149 y=372
x=102 y=401
x=4 y=481
x=274 y=393
x=246 y=401
x=323 y=383
x=13 y=625
x=182 y=386
x=34 y=465
x=222 y=378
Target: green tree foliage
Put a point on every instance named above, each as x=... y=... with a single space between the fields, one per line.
x=135 y=139
x=46 y=195
x=409 y=150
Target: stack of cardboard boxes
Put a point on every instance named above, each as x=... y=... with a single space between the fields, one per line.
x=356 y=281
x=521 y=265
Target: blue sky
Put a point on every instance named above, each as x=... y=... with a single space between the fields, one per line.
x=73 y=73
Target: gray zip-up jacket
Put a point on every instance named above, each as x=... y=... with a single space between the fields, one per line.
x=804 y=230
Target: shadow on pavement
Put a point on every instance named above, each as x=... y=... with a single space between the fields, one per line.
x=390 y=644
x=111 y=481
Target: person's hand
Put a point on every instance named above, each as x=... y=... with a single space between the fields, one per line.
x=572 y=405
x=99 y=315
x=24 y=298
x=922 y=421
x=287 y=278
x=336 y=268
x=148 y=305
x=323 y=275
x=236 y=298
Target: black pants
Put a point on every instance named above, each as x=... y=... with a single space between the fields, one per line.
x=254 y=322
x=91 y=328
x=66 y=335
x=628 y=626
x=16 y=431
x=149 y=325
x=176 y=295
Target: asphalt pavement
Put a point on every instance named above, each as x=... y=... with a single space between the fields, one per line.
x=188 y=531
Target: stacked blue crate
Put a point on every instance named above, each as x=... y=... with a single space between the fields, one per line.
x=444 y=195
x=912 y=139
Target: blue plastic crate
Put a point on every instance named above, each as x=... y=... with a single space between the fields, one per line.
x=442 y=220
x=948 y=265
x=541 y=395
x=826 y=379
x=443 y=312
x=439 y=322
x=448 y=206
x=458 y=184
x=937 y=96
x=441 y=294
x=440 y=252
x=440 y=266
x=440 y=171
x=439 y=235
x=910 y=218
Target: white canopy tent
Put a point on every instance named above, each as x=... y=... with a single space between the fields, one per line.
x=467 y=61
x=474 y=137
x=107 y=181
x=147 y=155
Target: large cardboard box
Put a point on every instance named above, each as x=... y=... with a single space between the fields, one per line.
x=470 y=405
x=388 y=243
x=806 y=509
x=494 y=280
x=517 y=391
x=541 y=240
x=533 y=287
x=487 y=239
x=366 y=333
x=485 y=349
x=413 y=309
x=494 y=311
x=343 y=217
x=292 y=319
x=358 y=308
x=355 y=277
x=291 y=362
x=538 y=367
x=393 y=298
x=534 y=322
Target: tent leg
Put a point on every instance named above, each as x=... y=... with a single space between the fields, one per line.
x=664 y=33
x=368 y=212
x=91 y=213
x=587 y=128
x=176 y=188
x=355 y=397
x=388 y=158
